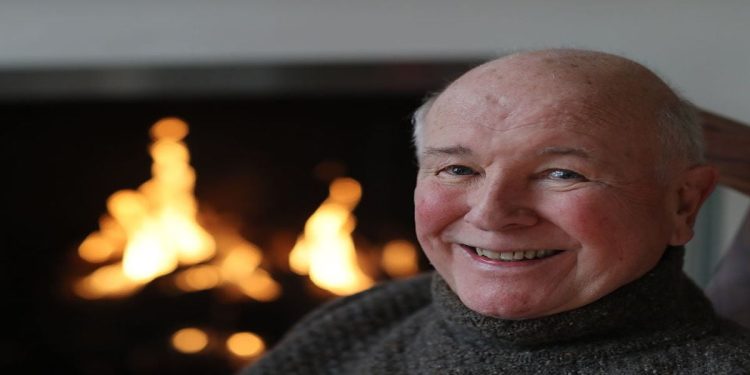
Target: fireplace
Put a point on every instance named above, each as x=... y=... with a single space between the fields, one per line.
x=266 y=142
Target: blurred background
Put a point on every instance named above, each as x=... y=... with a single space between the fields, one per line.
x=262 y=131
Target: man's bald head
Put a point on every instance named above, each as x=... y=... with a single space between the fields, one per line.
x=610 y=85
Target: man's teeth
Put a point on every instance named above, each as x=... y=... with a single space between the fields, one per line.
x=514 y=255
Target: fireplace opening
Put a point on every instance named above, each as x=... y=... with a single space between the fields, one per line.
x=265 y=161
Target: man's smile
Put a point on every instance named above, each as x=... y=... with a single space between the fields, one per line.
x=511 y=255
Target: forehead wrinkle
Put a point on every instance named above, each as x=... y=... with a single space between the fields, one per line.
x=451 y=150
x=565 y=151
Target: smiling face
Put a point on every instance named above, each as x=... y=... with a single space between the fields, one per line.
x=537 y=190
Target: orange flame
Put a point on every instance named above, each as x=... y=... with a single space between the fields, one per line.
x=155 y=229
x=326 y=249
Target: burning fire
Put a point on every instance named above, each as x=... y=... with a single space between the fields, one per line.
x=326 y=249
x=155 y=230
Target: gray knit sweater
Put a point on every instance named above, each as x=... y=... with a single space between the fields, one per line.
x=658 y=324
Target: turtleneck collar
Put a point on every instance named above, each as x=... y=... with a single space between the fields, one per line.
x=656 y=301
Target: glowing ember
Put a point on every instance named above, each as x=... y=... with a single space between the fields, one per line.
x=96 y=248
x=107 y=281
x=198 y=278
x=189 y=340
x=400 y=258
x=326 y=250
x=155 y=230
x=239 y=266
x=245 y=345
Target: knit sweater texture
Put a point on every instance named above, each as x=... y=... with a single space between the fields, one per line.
x=658 y=324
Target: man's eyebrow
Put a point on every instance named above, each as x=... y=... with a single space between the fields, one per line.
x=579 y=152
x=453 y=150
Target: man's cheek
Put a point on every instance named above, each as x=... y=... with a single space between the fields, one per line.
x=588 y=220
x=433 y=210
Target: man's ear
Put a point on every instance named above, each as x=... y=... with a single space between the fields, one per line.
x=695 y=186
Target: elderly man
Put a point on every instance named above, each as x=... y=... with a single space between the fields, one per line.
x=555 y=191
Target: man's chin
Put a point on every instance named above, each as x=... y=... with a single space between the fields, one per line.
x=501 y=312
x=505 y=305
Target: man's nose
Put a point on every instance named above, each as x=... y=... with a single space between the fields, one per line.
x=501 y=205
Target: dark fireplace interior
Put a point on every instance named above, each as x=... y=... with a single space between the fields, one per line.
x=265 y=141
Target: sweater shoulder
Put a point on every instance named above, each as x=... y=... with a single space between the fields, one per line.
x=343 y=329
x=733 y=341
x=725 y=350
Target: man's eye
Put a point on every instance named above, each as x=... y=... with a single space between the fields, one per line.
x=564 y=174
x=458 y=170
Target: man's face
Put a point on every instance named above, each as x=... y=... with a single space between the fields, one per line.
x=538 y=201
